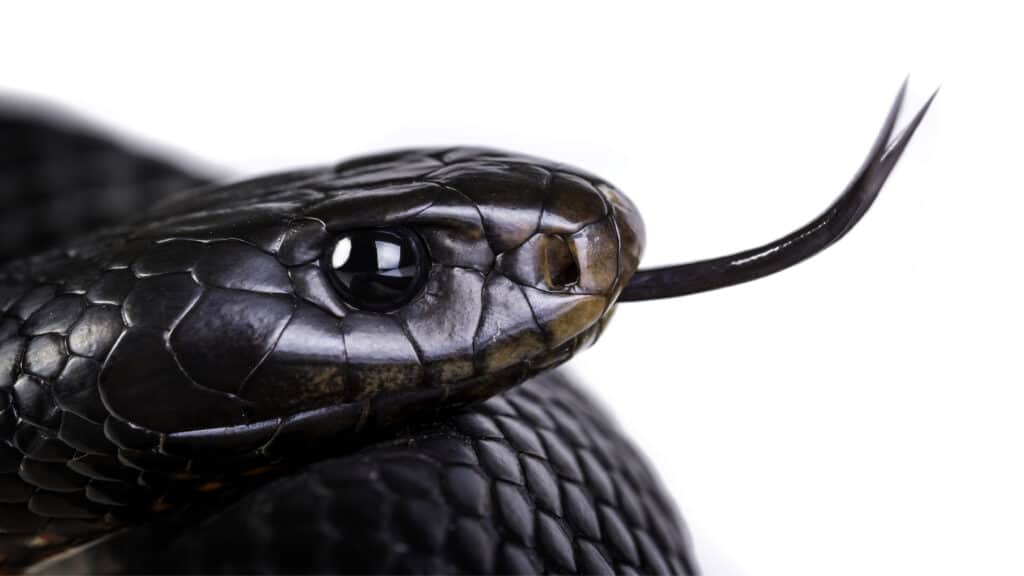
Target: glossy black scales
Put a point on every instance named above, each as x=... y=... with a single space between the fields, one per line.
x=333 y=331
x=536 y=480
x=58 y=179
x=176 y=359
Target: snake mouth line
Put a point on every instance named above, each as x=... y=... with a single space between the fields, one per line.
x=350 y=423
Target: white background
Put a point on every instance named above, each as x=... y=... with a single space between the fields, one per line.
x=858 y=414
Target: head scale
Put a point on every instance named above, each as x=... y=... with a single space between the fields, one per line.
x=262 y=300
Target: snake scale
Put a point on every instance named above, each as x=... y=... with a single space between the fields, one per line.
x=336 y=369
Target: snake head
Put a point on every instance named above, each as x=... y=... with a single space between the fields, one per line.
x=385 y=287
x=350 y=298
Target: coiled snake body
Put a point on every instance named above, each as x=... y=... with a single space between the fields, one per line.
x=323 y=370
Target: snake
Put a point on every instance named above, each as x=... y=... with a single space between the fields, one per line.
x=346 y=368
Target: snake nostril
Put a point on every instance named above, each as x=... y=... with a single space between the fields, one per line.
x=561 y=267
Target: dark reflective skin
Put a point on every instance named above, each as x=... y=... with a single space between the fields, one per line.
x=209 y=338
x=236 y=332
x=220 y=309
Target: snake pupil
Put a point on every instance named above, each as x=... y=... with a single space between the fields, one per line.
x=377 y=270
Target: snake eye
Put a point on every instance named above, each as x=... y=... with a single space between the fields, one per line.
x=377 y=270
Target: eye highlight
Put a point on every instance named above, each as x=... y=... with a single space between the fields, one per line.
x=377 y=269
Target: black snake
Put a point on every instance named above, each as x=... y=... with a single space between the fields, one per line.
x=340 y=369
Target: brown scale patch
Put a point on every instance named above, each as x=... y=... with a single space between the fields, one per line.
x=211 y=486
x=447 y=371
x=598 y=256
x=381 y=357
x=582 y=314
x=44 y=539
x=161 y=506
x=313 y=387
x=380 y=379
x=511 y=350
